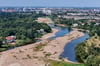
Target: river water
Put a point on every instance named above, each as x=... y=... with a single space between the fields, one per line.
x=69 y=50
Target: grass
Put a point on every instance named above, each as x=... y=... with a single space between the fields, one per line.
x=62 y=63
x=2 y=49
x=39 y=47
x=19 y=41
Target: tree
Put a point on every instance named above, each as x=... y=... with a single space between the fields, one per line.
x=93 y=61
x=1 y=43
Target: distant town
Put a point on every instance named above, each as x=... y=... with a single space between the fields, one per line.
x=76 y=13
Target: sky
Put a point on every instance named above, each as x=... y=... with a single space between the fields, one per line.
x=51 y=3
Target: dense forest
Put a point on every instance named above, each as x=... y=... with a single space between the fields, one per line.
x=21 y=25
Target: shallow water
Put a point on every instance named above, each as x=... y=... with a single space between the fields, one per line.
x=61 y=32
x=69 y=50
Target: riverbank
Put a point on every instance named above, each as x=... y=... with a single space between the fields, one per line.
x=45 y=37
x=56 y=46
x=27 y=56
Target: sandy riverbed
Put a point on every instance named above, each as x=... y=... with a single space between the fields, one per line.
x=44 y=20
x=49 y=34
x=27 y=56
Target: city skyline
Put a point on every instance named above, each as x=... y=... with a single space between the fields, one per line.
x=50 y=3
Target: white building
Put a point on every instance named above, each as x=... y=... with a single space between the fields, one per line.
x=75 y=25
x=46 y=11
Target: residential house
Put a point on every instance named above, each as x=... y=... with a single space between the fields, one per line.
x=10 y=39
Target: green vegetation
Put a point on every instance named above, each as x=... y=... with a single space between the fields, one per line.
x=92 y=27
x=28 y=56
x=22 y=25
x=47 y=55
x=2 y=49
x=61 y=20
x=89 y=52
x=38 y=47
x=62 y=63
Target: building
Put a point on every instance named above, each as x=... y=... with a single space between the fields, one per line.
x=46 y=11
x=10 y=39
x=41 y=31
x=75 y=25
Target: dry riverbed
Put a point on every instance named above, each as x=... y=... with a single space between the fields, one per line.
x=37 y=54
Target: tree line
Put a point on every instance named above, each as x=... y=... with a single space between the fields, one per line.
x=23 y=26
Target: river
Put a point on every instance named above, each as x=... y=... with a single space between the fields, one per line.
x=69 y=50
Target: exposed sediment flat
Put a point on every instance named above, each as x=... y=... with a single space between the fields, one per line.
x=27 y=56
